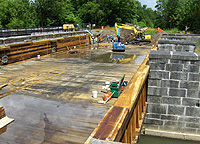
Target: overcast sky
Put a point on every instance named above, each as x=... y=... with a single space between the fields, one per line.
x=149 y=3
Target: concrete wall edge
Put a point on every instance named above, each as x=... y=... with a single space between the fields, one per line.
x=171 y=134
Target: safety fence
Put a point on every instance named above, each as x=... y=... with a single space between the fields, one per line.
x=123 y=122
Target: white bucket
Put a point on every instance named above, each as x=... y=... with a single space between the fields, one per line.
x=107 y=84
x=38 y=56
x=94 y=94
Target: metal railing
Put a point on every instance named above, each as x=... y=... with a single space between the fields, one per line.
x=7 y=32
x=36 y=37
x=123 y=122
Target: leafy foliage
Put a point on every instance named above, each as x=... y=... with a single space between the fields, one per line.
x=36 y=13
x=32 y=13
x=178 y=14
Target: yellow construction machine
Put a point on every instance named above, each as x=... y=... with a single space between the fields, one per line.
x=68 y=27
x=139 y=36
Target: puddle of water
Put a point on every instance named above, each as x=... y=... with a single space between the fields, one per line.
x=101 y=56
x=120 y=58
x=79 y=52
x=71 y=54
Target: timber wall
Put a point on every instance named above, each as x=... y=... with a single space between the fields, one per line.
x=22 y=48
x=174 y=87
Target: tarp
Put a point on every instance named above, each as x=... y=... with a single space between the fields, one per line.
x=158 y=29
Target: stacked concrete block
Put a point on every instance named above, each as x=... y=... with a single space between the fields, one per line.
x=174 y=87
x=173 y=37
x=176 y=45
x=190 y=37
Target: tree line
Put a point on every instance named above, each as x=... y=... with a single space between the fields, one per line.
x=39 y=13
x=34 y=13
x=178 y=14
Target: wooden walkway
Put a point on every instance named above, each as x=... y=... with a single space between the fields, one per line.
x=51 y=100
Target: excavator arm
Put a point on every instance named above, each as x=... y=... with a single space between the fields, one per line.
x=138 y=35
x=123 y=26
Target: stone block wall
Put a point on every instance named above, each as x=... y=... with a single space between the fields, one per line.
x=190 y=37
x=176 y=45
x=174 y=87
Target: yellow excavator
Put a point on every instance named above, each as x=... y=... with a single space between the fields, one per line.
x=138 y=35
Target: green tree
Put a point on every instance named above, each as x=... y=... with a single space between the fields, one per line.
x=144 y=16
x=178 y=14
x=90 y=12
x=54 y=12
x=191 y=17
x=21 y=14
x=6 y=8
x=32 y=13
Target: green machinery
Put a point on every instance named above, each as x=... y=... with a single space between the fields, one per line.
x=116 y=87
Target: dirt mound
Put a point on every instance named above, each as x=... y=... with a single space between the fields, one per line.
x=156 y=36
x=126 y=35
x=107 y=33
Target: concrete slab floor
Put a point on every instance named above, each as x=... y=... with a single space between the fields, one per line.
x=51 y=99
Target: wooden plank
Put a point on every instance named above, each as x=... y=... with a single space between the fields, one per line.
x=27 y=44
x=134 y=125
x=109 y=126
x=137 y=117
x=20 y=44
x=20 y=51
x=28 y=49
x=29 y=54
x=140 y=108
x=129 y=96
x=4 y=48
x=2 y=130
x=131 y=99
x=5 y=121
x=3 y=85
x=2 y=112
x=129 y=132
x=4 y=94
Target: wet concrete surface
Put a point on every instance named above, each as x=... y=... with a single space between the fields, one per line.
x=52 y=101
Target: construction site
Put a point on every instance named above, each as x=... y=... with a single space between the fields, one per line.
x=53 y=85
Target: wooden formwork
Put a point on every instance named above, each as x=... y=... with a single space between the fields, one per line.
x=4 y=120
x=124 y=121
x=2 y=112
x=22 y=51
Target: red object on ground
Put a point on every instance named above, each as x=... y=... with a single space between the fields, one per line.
x=107 y=96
